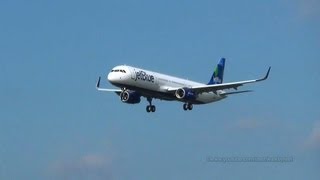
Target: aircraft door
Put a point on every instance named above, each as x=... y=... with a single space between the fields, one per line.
x=133 y=73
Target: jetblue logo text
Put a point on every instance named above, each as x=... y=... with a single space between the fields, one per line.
x=141 y=75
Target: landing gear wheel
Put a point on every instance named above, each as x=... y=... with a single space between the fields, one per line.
x=185 y=107
x=150 y=107
x=153 y=108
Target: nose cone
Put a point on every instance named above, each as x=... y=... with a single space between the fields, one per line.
x=112 y=77
x=116 y=77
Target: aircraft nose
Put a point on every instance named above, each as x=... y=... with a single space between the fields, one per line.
x=112 y=77
x=115 y=77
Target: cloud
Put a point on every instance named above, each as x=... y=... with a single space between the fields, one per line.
x=90 y=166
x=309 y=8
x=313 y=140
x=249 y=124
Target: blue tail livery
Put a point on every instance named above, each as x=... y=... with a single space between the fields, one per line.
x=217 y=76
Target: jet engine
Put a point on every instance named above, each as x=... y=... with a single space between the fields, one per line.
x=186 y=94
x=130 y=97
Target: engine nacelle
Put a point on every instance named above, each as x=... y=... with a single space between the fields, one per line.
x=130 y=97
x=186 y=94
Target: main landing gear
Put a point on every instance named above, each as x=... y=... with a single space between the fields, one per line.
x=187 y=106
x=150 y=107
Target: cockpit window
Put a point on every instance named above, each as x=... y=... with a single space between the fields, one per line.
x=118 y=70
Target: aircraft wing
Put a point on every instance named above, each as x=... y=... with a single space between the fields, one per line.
x=231 y=85
x=108 y=90
x=236 y=92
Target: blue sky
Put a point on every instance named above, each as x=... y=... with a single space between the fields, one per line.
x=55 y=125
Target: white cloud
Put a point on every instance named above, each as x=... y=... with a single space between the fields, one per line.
x=313 y=140
x=249 y=124
x=90 y=166
x=309 y=8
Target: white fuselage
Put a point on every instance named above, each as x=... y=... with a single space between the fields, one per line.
x=155 y=83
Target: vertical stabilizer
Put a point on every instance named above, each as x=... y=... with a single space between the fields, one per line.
x=217 y=76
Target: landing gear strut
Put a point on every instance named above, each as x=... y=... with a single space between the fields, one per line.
x=150 y=107
x=187 y=106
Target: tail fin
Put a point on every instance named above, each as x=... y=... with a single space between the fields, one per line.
x=217 y=76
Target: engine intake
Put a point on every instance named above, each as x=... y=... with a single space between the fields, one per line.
x=130 y=97
x=186 y=94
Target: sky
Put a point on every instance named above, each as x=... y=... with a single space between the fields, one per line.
x=54 y=124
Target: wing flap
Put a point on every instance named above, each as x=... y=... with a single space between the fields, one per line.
x=236 y=92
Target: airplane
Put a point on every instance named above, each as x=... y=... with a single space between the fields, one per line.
x=134 y=83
